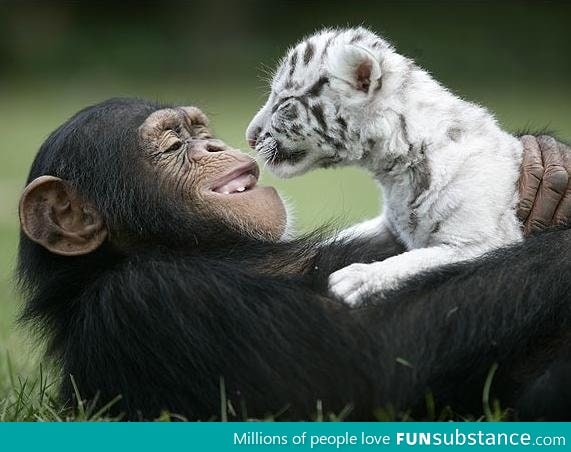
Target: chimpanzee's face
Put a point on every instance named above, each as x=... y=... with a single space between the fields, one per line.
x=208 y=176
x=128 y=172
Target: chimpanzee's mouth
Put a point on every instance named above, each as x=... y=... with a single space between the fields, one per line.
x=240 y=180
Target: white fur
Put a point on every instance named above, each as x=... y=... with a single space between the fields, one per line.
x=447 y=171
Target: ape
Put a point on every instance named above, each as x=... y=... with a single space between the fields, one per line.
x=151 y=264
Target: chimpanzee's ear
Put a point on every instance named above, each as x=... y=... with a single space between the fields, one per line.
x=54 y=215
x=356 y=66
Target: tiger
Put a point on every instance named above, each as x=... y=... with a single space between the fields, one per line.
x=447 y=171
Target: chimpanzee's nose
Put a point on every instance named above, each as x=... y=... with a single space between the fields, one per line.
x=201 y=148
x=215 y=146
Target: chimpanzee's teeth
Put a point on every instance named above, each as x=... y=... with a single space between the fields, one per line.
x=239 y=184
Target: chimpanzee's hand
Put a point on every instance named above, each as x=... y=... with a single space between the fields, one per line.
x=544 y=184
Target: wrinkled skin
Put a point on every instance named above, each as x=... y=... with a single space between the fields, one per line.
x=194 y=165
x=544 y=184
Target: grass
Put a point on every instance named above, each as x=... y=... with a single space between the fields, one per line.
x=29 y=111
x=32 y=399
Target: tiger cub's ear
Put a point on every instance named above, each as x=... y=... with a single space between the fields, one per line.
x=356 y=66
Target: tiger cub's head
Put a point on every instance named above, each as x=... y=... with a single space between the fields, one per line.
x=323 y=99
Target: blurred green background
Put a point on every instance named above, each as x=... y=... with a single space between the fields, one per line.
x=57 y=57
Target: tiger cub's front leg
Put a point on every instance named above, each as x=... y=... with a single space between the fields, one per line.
x=356 y=281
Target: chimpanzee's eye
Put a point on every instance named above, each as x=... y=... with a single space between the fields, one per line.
x=174 y=147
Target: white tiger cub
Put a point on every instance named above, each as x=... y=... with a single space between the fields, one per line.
x=448 y=172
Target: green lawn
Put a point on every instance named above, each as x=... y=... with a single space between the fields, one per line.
x=29 y=111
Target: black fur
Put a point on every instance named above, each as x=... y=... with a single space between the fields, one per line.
x=308 y=53
x=316 y=89
x=162 y=324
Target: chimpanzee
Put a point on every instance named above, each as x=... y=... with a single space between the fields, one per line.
x=156 y=268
